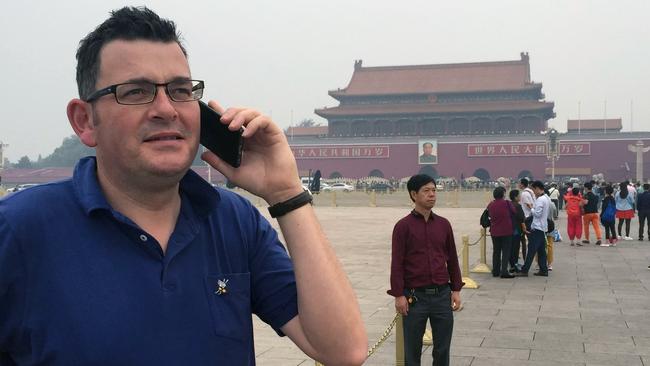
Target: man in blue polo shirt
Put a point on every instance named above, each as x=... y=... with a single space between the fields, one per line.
x=136 y=260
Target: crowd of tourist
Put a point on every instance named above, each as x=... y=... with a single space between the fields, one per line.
x=520 y=226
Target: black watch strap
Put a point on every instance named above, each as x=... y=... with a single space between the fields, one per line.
x=283 y=208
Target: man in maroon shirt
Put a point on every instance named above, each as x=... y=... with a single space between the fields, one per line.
x=425 y=277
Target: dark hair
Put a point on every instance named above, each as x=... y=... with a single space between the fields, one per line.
x=499 y=192
x=418 y=181
x=575 y=191
x=646 y=187
x=129 y=24
x=609 y=189
x=538 y=184
x=427 y=143
x=623 y=187
x=524 y=182
x=513 y=194
x=588 y=185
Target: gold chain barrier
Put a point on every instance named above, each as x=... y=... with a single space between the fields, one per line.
x=482 y=266
x=397 y=319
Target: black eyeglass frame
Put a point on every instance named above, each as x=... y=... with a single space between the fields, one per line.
x=112 y=89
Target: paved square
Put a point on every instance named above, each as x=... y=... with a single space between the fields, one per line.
x=593 y=309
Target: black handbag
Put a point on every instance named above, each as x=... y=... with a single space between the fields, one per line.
x=485 y=219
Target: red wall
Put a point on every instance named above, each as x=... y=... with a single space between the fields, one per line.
x=605 y=156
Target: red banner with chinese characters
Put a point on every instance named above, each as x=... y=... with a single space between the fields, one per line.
x=526 y=149
x=341 y=152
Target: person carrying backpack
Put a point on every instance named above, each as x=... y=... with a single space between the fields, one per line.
x=608 y=217
x=574 y=204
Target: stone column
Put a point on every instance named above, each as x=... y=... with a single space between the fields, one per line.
x=639 y=150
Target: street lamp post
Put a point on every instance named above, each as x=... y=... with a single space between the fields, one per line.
x=552 y=152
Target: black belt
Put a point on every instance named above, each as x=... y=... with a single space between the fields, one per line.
x=432 y=287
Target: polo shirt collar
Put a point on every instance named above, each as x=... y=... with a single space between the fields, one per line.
x=419 y=215
x=203 y=196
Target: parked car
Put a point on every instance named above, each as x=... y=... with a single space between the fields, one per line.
x=338 y=187
x=382 y=187
x=20 y=187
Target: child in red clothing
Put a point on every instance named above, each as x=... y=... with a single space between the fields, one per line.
x=574 y=203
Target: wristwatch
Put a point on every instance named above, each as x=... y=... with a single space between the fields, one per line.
x=283 y=208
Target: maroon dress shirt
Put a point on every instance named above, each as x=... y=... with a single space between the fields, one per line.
x=424 y=254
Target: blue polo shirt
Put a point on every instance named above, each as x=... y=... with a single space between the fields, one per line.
x=81 y=284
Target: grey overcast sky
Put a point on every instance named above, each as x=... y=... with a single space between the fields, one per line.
x=282 y=57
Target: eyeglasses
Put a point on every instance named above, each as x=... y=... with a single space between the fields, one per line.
x=144 y=92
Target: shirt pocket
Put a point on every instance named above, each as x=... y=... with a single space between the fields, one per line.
x=229 y=300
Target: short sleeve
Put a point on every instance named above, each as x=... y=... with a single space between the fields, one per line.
x=274 y=293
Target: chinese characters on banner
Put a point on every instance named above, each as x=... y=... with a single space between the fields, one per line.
x=526 y=149
x=341 y=152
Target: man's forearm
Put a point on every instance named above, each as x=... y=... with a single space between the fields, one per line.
x=328 y=308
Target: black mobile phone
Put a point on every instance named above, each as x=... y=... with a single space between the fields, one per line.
x=216 y=137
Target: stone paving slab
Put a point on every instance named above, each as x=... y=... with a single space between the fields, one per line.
x=594 y=309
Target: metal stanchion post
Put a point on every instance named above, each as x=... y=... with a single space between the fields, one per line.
x=399 y=342
x=482 y=266
x=456 y=198
x=333 y=198
x=373 y=198
x=469 y=283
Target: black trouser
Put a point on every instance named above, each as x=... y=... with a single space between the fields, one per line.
x=434 y=305
x=610 y=229
x=644 y=216
x=501 y=253
x=514 y=256
x=627 y=227
x=536 y=245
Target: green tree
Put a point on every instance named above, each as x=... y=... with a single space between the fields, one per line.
x=66 y=155
x=23 y=162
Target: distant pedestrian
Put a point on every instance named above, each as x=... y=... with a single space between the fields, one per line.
x=527 y=197
x=554 y=194
x=608 y=217
x=591 y=214
x=517 y=231
x=574 y=205
x=643 y=208
x=538 y=229
x=624 y=210
x=550 y=234
x=501 y=227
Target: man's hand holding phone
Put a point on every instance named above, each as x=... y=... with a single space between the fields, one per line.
x=268 y=168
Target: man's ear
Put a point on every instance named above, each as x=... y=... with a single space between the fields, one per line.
x=81 y=120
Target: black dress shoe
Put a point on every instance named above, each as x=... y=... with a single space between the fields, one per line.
x=541 y=274
x=507 y=276
x=495 y=275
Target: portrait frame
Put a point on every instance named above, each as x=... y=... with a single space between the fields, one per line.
x=427 y=157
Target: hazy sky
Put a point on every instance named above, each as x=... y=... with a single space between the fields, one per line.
x=282 y=57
